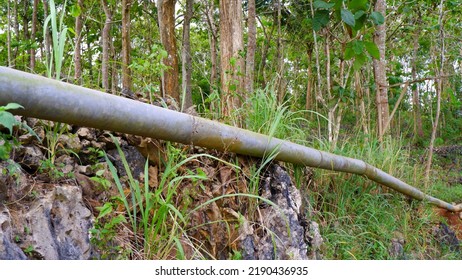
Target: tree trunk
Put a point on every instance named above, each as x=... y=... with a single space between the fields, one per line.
x=231 y=60
x=380 y=68
x=362 y=107
x=89 y=58
x=32 y=35
x=16 y=31
x=126 y=79
x=280 y=56
x=166 y=15
x=25 y=27
x=186 y=68
x=47 y=36
x=265 y=50
x=77 y=50
x=8 y=34
x=113 y=66
x=213 y=44
x=415 y=90
x=251 y=47
x=106 y=41
x=309 y=84
x=439 y=90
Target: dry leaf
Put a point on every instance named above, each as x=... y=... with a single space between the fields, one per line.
x=153 y=172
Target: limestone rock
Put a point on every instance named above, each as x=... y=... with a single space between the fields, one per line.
x=70 y=141
x=8 y=249
x=59 y=225
x=282 y=231
x=30 y=156
x=134 y=158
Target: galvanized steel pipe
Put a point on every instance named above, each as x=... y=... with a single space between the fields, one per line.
x=57 y=101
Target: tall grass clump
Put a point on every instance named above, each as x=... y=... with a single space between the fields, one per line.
x=360 y=219
x=156 y=222
x=263 y=114
x=58 y=34
x=157 y=215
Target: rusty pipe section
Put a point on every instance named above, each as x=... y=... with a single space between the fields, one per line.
x=57 y=101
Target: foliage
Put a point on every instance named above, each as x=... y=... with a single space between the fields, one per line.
x=58 y=35
x=8 y=121
x=360 y=219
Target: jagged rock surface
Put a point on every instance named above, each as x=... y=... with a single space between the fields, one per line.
x=54 y=226
x=8 y=249
x=283 y=233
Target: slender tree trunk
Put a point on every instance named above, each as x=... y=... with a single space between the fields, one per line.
x=25 y=27
x=331 y=108
x=251 y=47
x=89 y=58
x=166 y=15
x=362 y=107
x=213 y=44
x=8 y=34
x=77 y=50
x=114 y=70
x=16 y=31
x=126 y=79
x=280 y=56
x=231 y=60
x=265 y=49
x=309 y=85
x=32 y=35
x=106 y=41
x=380 y=68
x=438 y=95
x=186 y=56
x=415 y=88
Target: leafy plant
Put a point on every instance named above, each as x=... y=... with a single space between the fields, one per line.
x=153 y=214
x=59 y=39
x=105 y=230
x=8 y=121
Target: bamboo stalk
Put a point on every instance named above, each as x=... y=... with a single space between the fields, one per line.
x=57 y=101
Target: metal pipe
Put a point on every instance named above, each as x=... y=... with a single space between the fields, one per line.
x=57 y=101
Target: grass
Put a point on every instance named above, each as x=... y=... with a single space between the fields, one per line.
x=160 y=216
x=58 y=36
x=359 y=219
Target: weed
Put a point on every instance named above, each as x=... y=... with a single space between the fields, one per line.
x=7 y=120
x=58 y=37
x=104 y=232
x=102 y=181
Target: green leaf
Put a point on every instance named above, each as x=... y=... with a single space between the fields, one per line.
x=348 y=17
x=5 y=150
x=104 y=210
x=349 y=53
x=7 y=120
x=319 y=4
x=358 y=47
x=10 y=106
x=359 y=14
x=358 y=5
x=377 y=18
x=359 y=62
x=76 y=10
x=372 y=49
x=320 y=19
